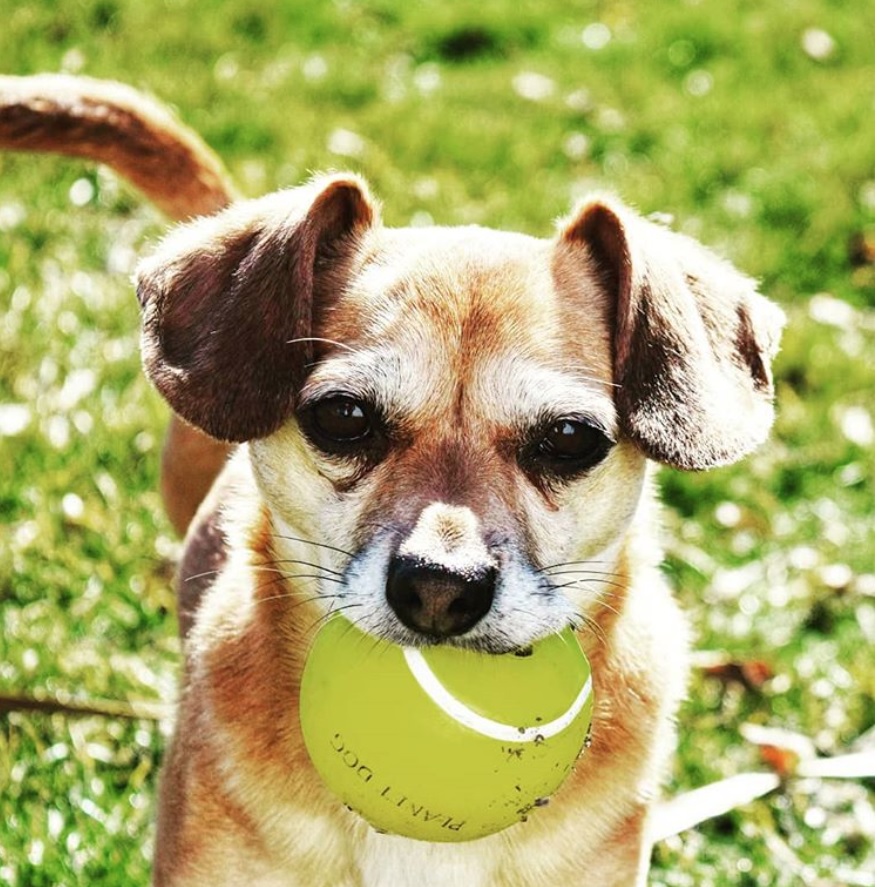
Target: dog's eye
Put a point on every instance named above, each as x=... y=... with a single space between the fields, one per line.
x=342 y=419
x=340 y=425
x=571 y=439
x=567 y=447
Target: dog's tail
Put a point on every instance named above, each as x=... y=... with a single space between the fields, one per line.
x=111 y=123
x=116 y=125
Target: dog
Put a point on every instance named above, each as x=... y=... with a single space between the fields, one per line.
x=444 y=433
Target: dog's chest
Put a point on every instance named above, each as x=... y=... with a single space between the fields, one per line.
x=386 y=861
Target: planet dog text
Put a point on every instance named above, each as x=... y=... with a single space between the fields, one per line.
x=352 y=761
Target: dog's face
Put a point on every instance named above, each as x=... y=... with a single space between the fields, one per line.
x=451 y=426
x=457 y=438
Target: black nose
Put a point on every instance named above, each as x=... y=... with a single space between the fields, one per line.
x=436 y=601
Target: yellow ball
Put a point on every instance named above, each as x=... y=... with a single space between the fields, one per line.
x=439 y=743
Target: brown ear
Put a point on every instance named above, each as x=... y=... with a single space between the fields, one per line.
x=227 y=303
x=693 y=340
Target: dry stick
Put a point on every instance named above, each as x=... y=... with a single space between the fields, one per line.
x=108 y=708
x=672 y=817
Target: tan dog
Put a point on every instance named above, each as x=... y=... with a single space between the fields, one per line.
x=408 y=401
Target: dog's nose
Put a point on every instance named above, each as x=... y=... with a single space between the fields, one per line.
x=437 y=601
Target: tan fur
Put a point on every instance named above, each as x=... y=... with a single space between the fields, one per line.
x=468 y=344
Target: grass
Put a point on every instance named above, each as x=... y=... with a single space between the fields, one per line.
x=751 y=123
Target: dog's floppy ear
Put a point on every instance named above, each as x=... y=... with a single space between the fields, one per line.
x=227 y=303
x=693 y=339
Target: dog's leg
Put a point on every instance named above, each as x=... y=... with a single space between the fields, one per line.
x=113 y=124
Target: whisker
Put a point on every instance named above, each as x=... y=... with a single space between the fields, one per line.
x=324 y=618
x=301 y=339
x=601 y=603
x=311 y=542
x=334 y=610
x=577 y=563
x=280 y=579
x=603 y=573
x=280 y=561
x=302 y=601
x=588 y=377
x=284 y=575
x=573 y=582
x=599 y=594
x=202 y=575
x=532 y=618
x=602 y=600
x=267 y=568
x=593 y=626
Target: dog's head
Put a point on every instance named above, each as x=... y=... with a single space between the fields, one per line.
x=450 y=426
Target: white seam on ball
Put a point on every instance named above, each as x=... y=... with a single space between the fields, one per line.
x=460 y=712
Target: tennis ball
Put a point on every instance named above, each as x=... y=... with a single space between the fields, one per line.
x=439 y=743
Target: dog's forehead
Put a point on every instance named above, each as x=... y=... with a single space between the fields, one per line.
x=431 y=310
x=456 y=281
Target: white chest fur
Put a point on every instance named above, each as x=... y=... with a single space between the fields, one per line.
x=389 y=861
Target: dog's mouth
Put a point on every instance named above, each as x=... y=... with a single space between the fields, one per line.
x=443 y=586
x=500 y=605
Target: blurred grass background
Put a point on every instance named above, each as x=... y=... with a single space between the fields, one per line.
x=750 y=123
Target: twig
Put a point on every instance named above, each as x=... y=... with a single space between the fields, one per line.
x=108 y=708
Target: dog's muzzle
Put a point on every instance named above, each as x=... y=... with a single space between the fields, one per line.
x=437 y=601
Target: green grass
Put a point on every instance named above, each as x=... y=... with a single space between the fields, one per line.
x=711 y=112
